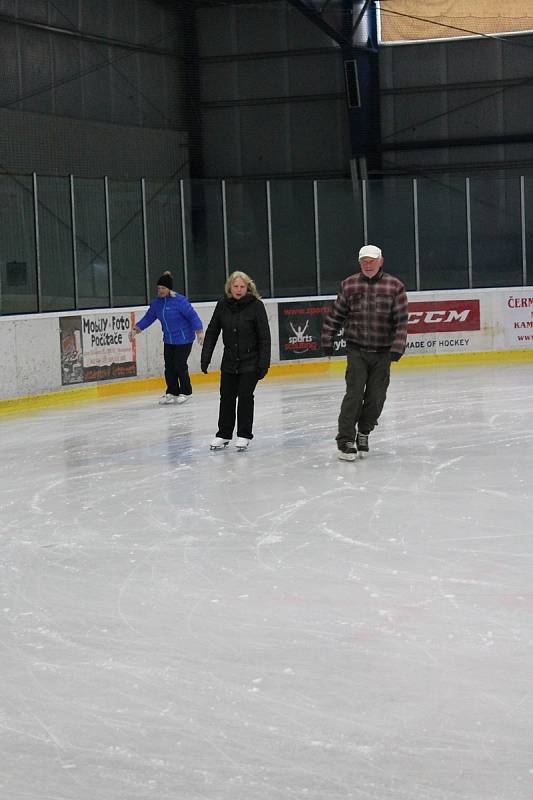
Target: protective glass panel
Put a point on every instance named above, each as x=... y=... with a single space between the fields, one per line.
x=18 y=280
x=496 y=231
x=442 y=232
x=391 y=226
x=127 y=243
x=55 y=244
x=247 y=227
x=340 y=227
x=91 y=243
x=293 y=238
x=205 y=240
x=163 y=233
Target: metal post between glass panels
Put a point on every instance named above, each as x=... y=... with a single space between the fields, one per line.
x=108 y=242
x=225 y=229
x=184 y=239
x=74 y=248
x=37 y=245
x=523 y=228
x=365 y=212
x=145 y=240
x=270 y=250
x=469 y=234
x=416 y=234
x=317 y=238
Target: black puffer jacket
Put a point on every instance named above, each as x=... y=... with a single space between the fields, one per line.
x=245 y=334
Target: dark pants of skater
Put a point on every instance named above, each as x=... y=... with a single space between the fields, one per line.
x=236 y=390
x=367 y=380
x=176 y=370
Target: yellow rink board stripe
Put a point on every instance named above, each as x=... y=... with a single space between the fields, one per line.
x=91 y=392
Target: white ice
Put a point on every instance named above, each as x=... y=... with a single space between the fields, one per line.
x=178 y=624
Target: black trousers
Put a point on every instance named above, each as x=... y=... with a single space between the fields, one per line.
x=176 y=369
x=367 y=381
x=236 y=390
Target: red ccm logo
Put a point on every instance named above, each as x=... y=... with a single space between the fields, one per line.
x=440 y=316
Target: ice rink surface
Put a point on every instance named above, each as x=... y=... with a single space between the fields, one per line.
x=178 y=624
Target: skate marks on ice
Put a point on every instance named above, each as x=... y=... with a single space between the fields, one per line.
x=180 y=623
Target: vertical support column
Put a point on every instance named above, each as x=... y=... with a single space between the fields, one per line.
x=317 y=238
x=108 y=242
x=145 y=241
x=270 y=248
x=417 y=241
x=37 y=243
x=523 y=228
x=225 y=229
x=365 y=212
x=469 y=234
x=184 y=239
x=74 y=236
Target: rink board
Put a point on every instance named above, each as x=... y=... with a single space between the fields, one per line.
x=39 y=350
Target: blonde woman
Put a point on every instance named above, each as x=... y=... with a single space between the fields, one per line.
x=242 y=318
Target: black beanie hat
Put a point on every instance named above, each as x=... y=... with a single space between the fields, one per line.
x=165 y=280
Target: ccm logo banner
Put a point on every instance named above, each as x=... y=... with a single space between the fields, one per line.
x=440 y=316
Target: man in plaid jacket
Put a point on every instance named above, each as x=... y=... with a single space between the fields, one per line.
x=372 y=307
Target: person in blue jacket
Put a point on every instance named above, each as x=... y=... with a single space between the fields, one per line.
x=180 y=324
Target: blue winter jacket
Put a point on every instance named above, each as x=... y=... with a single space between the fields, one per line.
x=178 y=319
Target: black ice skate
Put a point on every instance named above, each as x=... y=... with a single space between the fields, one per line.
x=346 y=451
x=362 y=444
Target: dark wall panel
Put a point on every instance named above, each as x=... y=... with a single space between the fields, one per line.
x=68 y=93
x=263 y=78
x=319 y=140
x=9 y=67
x=222 y=141
x=255 y=74
x=97 y=83
x=52 y=145
x=263 y=28
x=265 y=140
x=320 y=73
x=469 y=89
x=69 y=85
x=216 y=31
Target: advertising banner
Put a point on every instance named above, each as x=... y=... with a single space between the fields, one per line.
x=433 y=326
x=442 y=325
x=518 y=320
x=300 y=324
x=97 y=348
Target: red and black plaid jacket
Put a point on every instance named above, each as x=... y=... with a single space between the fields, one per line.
x=373 y=312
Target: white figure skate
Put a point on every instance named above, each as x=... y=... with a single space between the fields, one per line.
x=241 y=443
x=218 y=443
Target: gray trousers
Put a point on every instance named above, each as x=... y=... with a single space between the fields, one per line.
x=367 y=380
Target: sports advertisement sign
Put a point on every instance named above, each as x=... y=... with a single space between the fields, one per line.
x=518 y=319
x=300 y=324
x=433 y=325
x=442 y=325
x=97 y=348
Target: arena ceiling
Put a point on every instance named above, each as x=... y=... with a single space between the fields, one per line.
x=415 y=20
x=412 y=20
